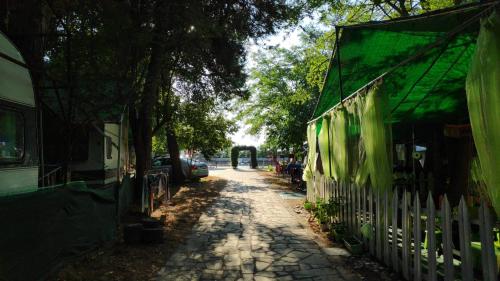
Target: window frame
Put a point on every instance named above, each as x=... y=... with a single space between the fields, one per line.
x=20 y=113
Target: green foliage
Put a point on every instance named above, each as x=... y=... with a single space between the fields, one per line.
x=320 y=211
x=285 y=83
x=308 y=206
x=341 y=12
x=160 y=144
x=323 y=211
x=200 y=129
x=235 y=152
x=367 y=230
x=282 y=100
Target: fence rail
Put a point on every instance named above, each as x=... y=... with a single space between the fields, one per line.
x=419 y=242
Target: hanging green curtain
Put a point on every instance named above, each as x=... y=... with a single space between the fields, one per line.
x=356 y=150
x=338 y=142
x=483 y=100
x=311 y=155
x=377 y=139
x=323 y=142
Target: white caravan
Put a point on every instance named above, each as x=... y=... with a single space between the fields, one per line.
x=18 y=123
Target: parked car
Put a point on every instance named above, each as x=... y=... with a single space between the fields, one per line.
x=190 y=168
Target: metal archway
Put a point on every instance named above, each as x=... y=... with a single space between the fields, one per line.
x=235 y=151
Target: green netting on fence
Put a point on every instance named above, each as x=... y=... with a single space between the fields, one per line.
x=356 y=151
x=42 y=229
x=338 y=143
x=377 y=138
x=311 y=155
x=483 y=97
x=324 y=149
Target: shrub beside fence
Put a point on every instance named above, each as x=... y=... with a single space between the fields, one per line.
x=413 y=237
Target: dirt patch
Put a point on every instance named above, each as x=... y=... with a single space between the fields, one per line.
x=121 y=262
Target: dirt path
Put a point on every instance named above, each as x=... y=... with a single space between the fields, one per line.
x=250 y=233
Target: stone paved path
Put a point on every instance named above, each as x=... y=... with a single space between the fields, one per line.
x=249 y=234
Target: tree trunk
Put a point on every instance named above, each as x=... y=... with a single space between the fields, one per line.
x=143 y=131
x=173 y=150
x=139 y=151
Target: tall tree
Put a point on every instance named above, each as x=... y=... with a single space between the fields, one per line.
x=282 y=99
x=286 y=82
x=102 y=55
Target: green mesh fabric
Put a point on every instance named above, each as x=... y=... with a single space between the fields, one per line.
x=323 y=143
x=376 y=136
x=483 y=98
x=311 y=155
x=338 y=128
x=51 y=225
x=356 y=150
x=426 y=88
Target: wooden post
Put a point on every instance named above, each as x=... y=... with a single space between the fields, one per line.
x=417 y=240
x=394 y=235
x=447 y=240
x=464 y=233
x=378 y=226
x=431 y=239
x=387 y=257
x=488 y=258
x=372 y=223
x=405 y=227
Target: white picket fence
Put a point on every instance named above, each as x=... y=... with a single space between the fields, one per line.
x=400 y=223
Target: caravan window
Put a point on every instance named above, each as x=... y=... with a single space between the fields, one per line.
x=11 y=136
x=109 y=148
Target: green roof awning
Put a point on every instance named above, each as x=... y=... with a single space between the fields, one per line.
x=425 y=59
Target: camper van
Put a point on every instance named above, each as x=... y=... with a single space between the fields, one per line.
x=100 y=158
x=18 y=123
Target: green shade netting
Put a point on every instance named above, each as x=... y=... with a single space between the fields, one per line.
x=311 y=155
x=338 y=142
x=426 y=88
x=376 y=137
x=323 y=143
x=483 y=98
x=47 y=228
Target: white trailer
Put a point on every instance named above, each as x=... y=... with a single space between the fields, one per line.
x=106 y=159
x=18 y=123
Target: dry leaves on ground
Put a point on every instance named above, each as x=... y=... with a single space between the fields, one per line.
x=121 y=262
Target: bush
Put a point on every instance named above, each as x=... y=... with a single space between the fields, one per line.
x=308 y=206
x=323 y=211
x=320 y=212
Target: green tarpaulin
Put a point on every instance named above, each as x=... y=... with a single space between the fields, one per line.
x=437 y=49
x=419 y=65
x=42 y=229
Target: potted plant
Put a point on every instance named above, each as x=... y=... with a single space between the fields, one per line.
x=353 y=245
x=332 y=208
x=338 y=232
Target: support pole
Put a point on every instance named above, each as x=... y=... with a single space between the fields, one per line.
x=339 y=65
